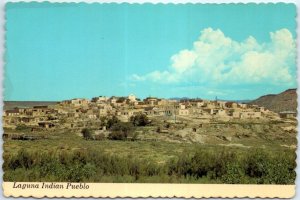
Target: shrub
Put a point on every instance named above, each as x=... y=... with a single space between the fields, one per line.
x=267 y=168
x=135 y=136
x=234 y=174
x=256 y=164
x=116 y=135
x=281 y=169
x=87 y=134
x=151 y=169
x=100 y=136
x=120 y=131
x=139 y=120
x=22 y=127
x=158 y=129
x=79 y=172
x=135 y=169
x=203 y=165
x=22 y=159
x=112 y=121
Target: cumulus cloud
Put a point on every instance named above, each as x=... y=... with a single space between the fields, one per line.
x=218 y=59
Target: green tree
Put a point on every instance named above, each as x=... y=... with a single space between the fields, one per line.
x=140 y=120
x=121 y=99
x=120 y=131
x=112 y=121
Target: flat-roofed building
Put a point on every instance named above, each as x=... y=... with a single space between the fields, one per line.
x=288 y=114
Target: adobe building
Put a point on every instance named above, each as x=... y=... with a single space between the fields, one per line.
x=288 y=114
x=76 y=102
x=46 y=125
x=131 y=97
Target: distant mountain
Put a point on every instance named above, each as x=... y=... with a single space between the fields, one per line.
x=237 y=101
x=285 y=101
x=187 y=98
x=179 y=98
x=8 y=105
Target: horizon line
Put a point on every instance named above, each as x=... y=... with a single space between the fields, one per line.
x=184 y=97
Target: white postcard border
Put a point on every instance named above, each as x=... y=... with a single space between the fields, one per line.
x=193 y=190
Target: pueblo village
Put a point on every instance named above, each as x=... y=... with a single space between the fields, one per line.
x=180 y=120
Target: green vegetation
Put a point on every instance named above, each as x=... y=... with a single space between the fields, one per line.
x=154 y=153
x=22 y=127
x=100 y=136
x=112 y=121
x=201 y=166
x=121 y=99
x=87 y=134
x=257 y=167
x=139 y=120
x=120 y=131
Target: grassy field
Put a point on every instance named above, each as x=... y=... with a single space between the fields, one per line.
x=158 y=151
x=147 y=161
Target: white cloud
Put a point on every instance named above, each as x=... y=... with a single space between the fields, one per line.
x=183 y=60
x=137 y=77
x=218 y=59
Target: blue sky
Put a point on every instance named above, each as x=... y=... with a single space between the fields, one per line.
x=63 y=51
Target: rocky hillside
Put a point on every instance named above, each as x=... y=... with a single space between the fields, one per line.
x=285 y=101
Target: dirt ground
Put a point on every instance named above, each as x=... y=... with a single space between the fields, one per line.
x=241 y=133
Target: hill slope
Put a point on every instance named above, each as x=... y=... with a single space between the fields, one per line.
x=285 y=101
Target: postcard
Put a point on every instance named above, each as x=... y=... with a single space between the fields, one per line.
x=150 y=100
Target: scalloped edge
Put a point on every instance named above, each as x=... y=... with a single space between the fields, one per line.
x=281 y=189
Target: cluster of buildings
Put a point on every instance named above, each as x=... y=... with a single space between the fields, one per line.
x=79 y=113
